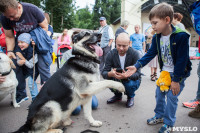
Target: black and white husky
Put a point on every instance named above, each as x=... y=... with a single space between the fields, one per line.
x=72 y=85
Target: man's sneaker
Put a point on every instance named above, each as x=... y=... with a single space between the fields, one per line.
x=154 y=121
x=191 y=104
x=22 y=100
x=165 y=129
x=196 y=112
x=130 y=102
x=114 y=99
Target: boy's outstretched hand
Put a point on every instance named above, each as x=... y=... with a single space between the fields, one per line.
x=175 y=87
x=130 y=71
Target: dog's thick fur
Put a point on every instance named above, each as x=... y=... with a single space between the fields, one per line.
x=72 y=85
x=10 y=84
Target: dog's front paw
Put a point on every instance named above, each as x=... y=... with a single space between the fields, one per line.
x=120 y=87
x=67 y=122
x=16 y=105
x=96 y=124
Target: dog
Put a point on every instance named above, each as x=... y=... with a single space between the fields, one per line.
x=72 y=85
x=9 y=86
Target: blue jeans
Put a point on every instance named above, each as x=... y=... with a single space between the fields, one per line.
x=166 y=108
x=33 y=91
x=130 y=86
x=44 y=69
x=94 y=106
x=198 y=91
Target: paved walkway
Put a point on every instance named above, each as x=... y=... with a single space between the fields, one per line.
x=116 y=117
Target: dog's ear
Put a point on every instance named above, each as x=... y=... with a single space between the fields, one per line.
x=12 y=64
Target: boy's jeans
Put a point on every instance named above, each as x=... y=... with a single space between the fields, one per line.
x=33 y=91
x=166 y=108
x=198 y=91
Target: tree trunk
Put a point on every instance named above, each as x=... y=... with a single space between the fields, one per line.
x=62 y=22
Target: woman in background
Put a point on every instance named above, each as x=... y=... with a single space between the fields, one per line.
x=64 y=38
x=154 y=62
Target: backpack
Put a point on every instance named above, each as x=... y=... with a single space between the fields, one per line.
x=194 y=11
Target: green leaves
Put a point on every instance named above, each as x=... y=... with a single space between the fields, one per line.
x=63 y=13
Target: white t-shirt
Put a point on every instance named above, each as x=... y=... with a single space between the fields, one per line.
x=122 y=60
x=168 y=64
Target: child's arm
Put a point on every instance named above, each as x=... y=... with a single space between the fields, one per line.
x=20 y=59
x=152 y=52
x=29 y=63
x=20 y=56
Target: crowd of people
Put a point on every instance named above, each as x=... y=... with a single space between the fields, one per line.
x=122 y=64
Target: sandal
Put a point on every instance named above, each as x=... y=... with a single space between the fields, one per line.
x=155 y=75
x=152 y=77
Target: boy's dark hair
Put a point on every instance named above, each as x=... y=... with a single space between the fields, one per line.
x=178 y=16
x=162 y=11
x=5 y=4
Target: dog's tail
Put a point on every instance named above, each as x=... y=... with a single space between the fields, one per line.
x=25 y=128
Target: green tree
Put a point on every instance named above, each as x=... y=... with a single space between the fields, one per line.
x=83 y=18
x=111 y=9
x=61 y=13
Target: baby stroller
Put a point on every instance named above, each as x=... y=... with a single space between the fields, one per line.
x=61 y=49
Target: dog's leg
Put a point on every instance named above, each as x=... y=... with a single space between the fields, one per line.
x=54 y=131
x=87 y=109
x=13 y=95
x=67 y=122
x=96 y=87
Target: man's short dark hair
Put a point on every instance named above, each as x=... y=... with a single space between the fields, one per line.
x=162 y=11
x=5 y=4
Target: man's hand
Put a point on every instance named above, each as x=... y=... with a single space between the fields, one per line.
x=120 y=75
x=175 y=87
x=117 y=75
x=2 y=79
x=130 y=71
x=11 y=55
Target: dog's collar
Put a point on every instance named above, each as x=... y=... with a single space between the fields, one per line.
x=6 y=73
x=88 y=58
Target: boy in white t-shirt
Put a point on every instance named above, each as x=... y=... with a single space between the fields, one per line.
x=171 y=45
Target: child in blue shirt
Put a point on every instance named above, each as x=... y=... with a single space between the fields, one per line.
x=171 y=45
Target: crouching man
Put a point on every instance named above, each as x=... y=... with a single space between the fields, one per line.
x=115 y=66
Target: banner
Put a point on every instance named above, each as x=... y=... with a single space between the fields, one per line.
x=194 y=53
